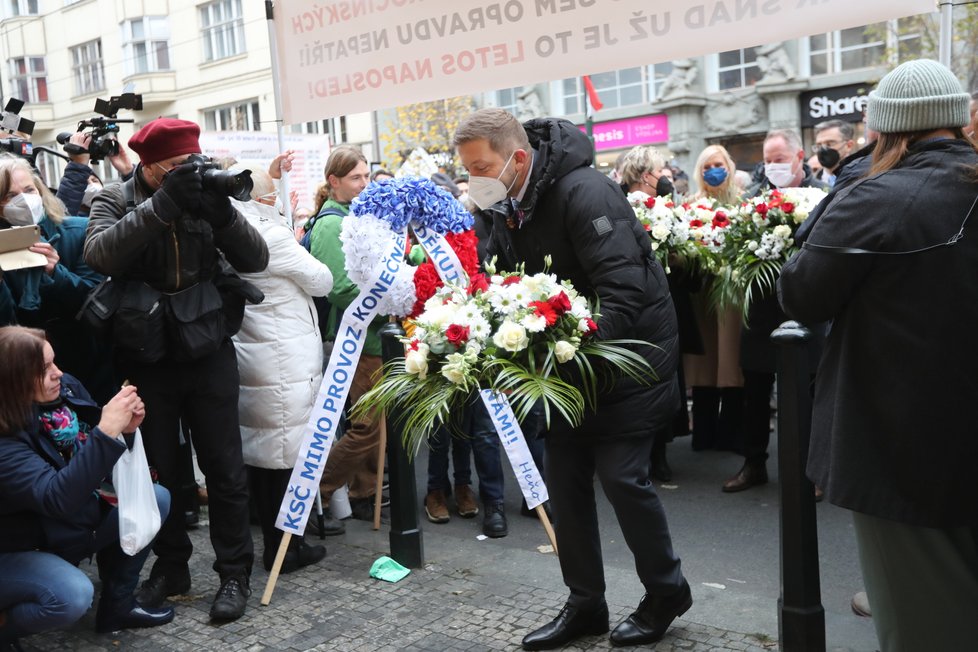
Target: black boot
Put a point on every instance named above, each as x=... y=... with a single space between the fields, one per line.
x=298 y=555
x=268 y=486
x=706 y=405
x=117 y=607
x=494 y=523
x=652 y=618
x=570 y=624
x=751 y=474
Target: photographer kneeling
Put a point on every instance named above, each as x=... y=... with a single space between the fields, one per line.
x=161 y=236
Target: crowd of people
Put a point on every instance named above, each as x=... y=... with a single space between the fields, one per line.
x=216 y=315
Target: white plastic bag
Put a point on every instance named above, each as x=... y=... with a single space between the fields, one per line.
x=139 y=515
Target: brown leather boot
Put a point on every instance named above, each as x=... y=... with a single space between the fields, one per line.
x=436 y=506
x=465 y=501
x=752 y=474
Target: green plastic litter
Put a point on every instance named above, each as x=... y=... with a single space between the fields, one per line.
x=388 y=570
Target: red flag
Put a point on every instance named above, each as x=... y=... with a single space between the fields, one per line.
x=592 y=94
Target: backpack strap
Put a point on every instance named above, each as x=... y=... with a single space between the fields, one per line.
x=129 y=193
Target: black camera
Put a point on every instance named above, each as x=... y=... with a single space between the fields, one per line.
x=10 y=121
x=231 y=184
x=105 y=130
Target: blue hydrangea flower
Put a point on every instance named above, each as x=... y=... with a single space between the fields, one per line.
x=402 y=201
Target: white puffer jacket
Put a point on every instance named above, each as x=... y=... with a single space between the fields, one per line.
x=280 y=354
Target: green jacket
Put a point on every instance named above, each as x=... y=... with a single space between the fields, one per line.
x=325 y=245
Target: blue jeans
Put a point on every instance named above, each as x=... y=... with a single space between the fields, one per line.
x=483 y=443
x=40 y=592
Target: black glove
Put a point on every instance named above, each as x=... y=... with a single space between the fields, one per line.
x=215 y=208
x=180 y=193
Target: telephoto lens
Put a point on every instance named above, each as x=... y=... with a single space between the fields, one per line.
x=237 y=185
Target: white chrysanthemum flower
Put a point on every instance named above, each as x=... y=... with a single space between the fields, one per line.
x=479 y=328
x=534 y=323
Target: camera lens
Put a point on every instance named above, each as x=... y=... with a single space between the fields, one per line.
x=237 y=185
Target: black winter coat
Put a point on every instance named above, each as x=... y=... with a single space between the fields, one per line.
x=134 y=244
x=583 y=221
x=893 y=428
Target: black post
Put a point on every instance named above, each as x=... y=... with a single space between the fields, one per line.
x=407 y=542
x=801 y=617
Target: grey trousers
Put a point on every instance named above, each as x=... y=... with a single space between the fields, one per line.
x=922 y=584
x=623 y=468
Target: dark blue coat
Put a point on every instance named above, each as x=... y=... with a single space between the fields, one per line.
x=46 y=504
x=73 y=184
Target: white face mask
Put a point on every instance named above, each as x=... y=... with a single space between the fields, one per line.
x=486 y=191
x=24 y=210
x=780 y=174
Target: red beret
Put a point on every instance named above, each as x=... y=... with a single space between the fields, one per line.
x=165 y=138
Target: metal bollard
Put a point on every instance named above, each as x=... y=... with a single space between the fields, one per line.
x=801 y=617
x=407 y=542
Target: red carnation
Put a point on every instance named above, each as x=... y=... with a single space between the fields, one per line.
x=457 y=335
x=788 y=207
x=650 y=202
x=510 y=280
x=720 y=220
x=413 y=345
x=592 y=328
x=478 y=283
x=695 y=224
x=761 y=209
x=670 y=204
x=426 y=281
x=648 y=227
x=545 y=310
x=560 y=303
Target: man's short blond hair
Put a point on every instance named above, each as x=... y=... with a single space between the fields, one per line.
x=790 y=136
x=501 y=128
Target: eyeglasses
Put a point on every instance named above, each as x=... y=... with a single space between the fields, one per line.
x=831 y=144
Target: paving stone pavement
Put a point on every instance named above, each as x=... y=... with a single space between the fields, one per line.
x=449 y=606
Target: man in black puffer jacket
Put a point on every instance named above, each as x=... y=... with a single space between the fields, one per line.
x=563 y=208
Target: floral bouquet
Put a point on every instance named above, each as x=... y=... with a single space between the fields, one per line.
x=759 y=241
x=666 y=226
x=530 y=337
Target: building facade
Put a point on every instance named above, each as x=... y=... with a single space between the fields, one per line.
x=205 y=61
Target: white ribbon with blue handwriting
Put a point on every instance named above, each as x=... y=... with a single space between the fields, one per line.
x=300 y=497
x=514 y=443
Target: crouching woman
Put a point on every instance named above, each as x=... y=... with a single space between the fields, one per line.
x=53 y=510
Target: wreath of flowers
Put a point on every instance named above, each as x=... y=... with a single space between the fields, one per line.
x=388 y=207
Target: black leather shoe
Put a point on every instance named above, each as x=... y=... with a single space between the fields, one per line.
x=231 y=599
x=296 y=557
x=750 y=475
x=494 y=524
x=131 y=616
x=570 y=624
x=652 y=618
x=159 y=587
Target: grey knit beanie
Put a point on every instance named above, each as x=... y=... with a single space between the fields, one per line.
x=917 y=96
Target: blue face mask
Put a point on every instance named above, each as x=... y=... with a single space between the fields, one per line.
x=715 y=176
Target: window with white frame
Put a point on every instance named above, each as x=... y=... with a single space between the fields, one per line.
x=886 y=43
x=14 y=8
x=86 y=66
x=625 y=87
x=737 y=69
x=335 y=128
x=28 y=79
x=146 y=44
x=508 y=98
x=241 y=116
x=222 y=28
